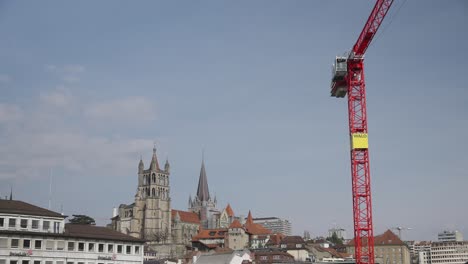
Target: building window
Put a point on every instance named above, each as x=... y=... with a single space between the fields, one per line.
x=81 y=246
x=14 y=243
x=60 y=245
x=119 y=248
x=71 y=246
x=35 y=224
x=49 y=245
x=3 y=242
x=91 y=247
x=37 y=262
x=110 y=248
x=69 y=262
x=59 y=262
x=100 y=247
x=25 y=262
x=24 y=223
x=12 y=222
x=128 y=250
x=13 y=262
x=2 y=221
x=2 y=261
x=56 y=227
x=276 y=257
x=26 y=243
x=137 y=250
x=46 y=225
x=37 y=244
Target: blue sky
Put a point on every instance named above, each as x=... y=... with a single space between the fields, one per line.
x=87 y=87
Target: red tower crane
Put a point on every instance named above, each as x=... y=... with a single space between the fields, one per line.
x=348 y=78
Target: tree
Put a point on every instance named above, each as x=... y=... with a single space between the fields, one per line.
x=82 y=220
x=335 y=239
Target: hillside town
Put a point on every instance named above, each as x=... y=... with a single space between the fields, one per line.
x=149 y=230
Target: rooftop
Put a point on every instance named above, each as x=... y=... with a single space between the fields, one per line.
x=19 y=207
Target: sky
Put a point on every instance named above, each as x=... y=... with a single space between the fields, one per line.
x=88 y=87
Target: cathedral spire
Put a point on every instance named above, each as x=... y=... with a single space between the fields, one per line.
x=203 y=194
x=154 y=160
x=249 y=219
x=141 y=166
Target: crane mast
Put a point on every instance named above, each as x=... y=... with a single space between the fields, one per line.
x=348 y=78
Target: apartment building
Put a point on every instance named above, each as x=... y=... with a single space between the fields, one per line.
x=34 y=235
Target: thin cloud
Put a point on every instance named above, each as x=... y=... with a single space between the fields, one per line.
x=60 y=97
x=10 y=112
x=125 y=109
x=4 y=78
x=68 y=73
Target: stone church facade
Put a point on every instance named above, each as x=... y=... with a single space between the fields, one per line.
x=150 y=217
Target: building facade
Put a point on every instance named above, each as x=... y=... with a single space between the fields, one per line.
x=275 y=224
x=388 y=248
x=451 y=252
x=34 y=235
x=449 y=236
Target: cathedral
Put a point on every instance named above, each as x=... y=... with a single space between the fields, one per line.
x=168 y=232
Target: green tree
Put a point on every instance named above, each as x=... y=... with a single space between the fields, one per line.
x=335 y=239
x=82 y=220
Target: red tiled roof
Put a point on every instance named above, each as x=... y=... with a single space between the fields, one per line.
x=229 y=210
x=253 y=228
x=210 y=234
x=235 y=224
x=187 y=217
x=333 y=252
x=387 y=238
x=97 y=232
x=275 y=239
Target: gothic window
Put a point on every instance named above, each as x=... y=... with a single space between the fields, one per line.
x=154 y=192
x=147 y=192
x=154 y=178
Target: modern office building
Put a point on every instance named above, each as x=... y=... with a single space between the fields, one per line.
x=447 y=236
x=452 y=252
x=275 y=224
x=34 y=235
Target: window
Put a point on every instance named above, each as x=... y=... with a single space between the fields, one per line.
x=2 y=261
x=37 y=262
x=3 y=242
x=25 y=262
x=137 y=250
x=49 y=245
x=276 y=257
x=24 y=223
x=13 y=262
x=129 y=250
x=59 y=262
x=263 y=257
x=101 y=248
x=71 y=246
x=2 y=221
x=37 y=244
x=70 y=262
x=119 y=248
x=91 y=247
x=26 y=243
x=46 y=225
x=56 y=227
x=14 y=243
x=60 y=245
x=81 y=263
x=81 y=246
x=35 y=224
x=110 y=248
x=12 y=222
x=49 y=262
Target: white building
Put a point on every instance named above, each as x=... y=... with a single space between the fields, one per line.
x=340 y=232
x=34 y=235
x=275 y=224
x=446 y=236
x=455 y=252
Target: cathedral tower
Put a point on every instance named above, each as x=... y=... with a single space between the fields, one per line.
x=202 y=204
